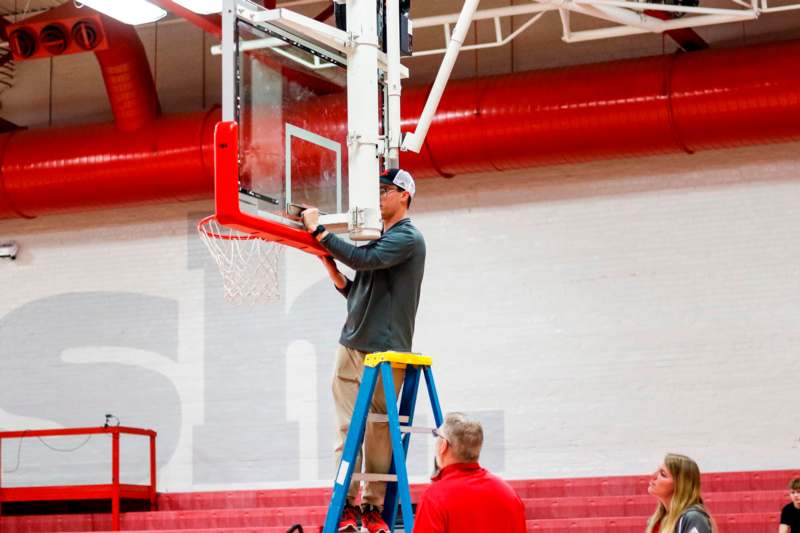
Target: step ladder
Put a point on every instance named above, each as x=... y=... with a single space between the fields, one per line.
x=400 y=429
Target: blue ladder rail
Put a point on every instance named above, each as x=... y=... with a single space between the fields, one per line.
x=383 y=362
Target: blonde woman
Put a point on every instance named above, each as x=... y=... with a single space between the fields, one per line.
x=676 y=485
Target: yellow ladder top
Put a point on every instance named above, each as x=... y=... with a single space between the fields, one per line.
x=397 y=359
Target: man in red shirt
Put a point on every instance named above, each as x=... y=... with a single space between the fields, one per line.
x=465 y=497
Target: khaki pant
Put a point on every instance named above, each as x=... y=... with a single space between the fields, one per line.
x=377 y=449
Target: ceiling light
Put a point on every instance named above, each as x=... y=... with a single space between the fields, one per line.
x=204 y=7
x=127 y=11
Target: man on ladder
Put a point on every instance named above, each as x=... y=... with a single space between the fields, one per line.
x=382 y=304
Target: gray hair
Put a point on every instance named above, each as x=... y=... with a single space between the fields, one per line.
x=464 y=435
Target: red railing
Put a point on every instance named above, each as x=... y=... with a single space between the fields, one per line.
x=115 y=491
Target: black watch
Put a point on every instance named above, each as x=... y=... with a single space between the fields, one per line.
x=316 y=232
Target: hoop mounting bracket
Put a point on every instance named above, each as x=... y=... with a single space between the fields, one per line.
x=379 y=143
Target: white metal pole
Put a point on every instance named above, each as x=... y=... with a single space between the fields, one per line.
x=499 y=39
x=689 y=22
x=364 y=221
x=644 y=6
x=413 y=141
x=621 y=16
x=483 y=14
x=708 y=20
x=778 y=9
x=565 y=23
x=229 y=60
x=602 y=33
x=392 y=132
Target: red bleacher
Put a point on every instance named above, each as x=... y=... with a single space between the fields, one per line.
x=742 y=502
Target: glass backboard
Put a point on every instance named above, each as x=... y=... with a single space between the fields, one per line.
x=292 y=116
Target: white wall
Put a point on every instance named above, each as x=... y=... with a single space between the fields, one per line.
x=595 y=316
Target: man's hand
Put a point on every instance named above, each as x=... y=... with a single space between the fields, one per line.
x=310 y=218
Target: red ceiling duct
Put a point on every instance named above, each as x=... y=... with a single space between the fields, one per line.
x=688 y=102
x=73 y=169
x=126 y=73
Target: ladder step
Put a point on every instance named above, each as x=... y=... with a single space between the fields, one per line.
x=416 y=429
x=375 y=417
x=374 y=477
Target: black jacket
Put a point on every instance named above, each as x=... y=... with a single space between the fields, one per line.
x=693 y=520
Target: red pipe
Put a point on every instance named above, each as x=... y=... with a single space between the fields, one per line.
x=704 y=100
x=655 y=105
x=687 y=102
x=126 y=73
x=86 y=167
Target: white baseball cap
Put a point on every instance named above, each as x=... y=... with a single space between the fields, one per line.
x=399 y=178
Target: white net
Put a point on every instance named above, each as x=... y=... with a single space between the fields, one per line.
x=249 y=265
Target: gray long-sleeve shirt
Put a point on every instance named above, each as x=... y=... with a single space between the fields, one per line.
x=383 y=298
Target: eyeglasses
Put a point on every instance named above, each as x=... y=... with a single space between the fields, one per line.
x=436 y=433
x=386 y=190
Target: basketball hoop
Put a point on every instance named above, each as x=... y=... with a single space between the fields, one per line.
x=248 y=264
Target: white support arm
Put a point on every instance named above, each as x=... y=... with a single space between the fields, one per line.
x=413 y=141
x=228 y=48
x=687 y=22
x=362 y=128
x=483 y=14
x=645 y=6
x=566 y=26
x=393 y=135
x=620 y=15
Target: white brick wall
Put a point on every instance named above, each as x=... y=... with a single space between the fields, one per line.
x=645 y=306
x=610 y=312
